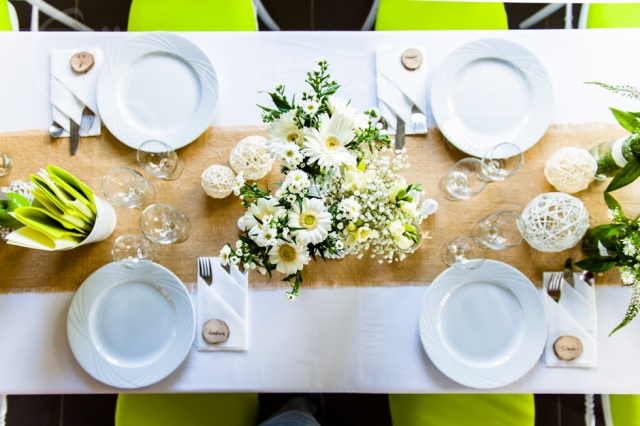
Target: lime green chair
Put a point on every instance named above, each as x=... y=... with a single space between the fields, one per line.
x=5 y=20
x=621 y=410
x=405 y=15
x=462 y=410
x=211 y=409
x=192 y=15
x=613 y=15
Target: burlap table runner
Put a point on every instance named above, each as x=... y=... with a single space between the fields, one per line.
x=214 y=221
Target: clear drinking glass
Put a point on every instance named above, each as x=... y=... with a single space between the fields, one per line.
x=466 y=178
x=5 y=164
x=503 y=160
x=465 y=252
x=164 y=224
x=159 y=160
x=127 y=188
x=500 y=230
x=134 y=251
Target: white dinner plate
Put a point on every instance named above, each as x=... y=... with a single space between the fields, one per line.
x=483 y=328
x=491 y=91
x=157 y=86
x=131 y=328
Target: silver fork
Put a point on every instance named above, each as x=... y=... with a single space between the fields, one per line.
x=418 y=120
x=88 y=117
x=553 y=288
x=204 y=270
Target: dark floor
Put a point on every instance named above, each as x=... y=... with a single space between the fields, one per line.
x=341 y=409
x=290 y=15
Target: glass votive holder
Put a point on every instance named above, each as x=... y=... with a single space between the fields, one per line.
x=500 y=230
x=164 y=224
x=127 y=188
x=503 y=160
x=466 y=178
x=465 y=252
x=5 y=164
x=135 y=251
x=160 y=160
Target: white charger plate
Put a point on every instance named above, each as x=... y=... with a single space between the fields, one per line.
x=157 y=86
x=491 y=91
x=131 y=328
x=483 y=328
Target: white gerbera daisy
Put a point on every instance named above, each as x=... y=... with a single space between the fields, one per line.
x=289 y=258
x=283 y=131
x=264 y=207
x=310 y=107
x=326 y=145
x=313 y=219
x=340 y=106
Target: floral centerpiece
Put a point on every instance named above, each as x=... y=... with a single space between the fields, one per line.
x=342 y=193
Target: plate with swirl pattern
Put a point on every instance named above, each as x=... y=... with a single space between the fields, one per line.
x=157 y=86
x=483 y=328
x=491 y=91
x=130 y=328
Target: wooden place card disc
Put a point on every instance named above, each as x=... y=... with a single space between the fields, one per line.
x=568 y=348
x=215 y=331
x=82 y=62
x=412 y=59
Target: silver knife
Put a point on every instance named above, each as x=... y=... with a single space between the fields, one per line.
x=568 y=272
x=399 y=134
x=75 y=136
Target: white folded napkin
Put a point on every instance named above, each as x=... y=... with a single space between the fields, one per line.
x=574 y=315
x=226 y=300
x=71 y=92
x=398 y=88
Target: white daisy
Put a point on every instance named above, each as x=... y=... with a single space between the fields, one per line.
x=291 y=198
x=238 y=183
x=627 y=277
x=289 y=258
x=341 y=106
x=290 y=154
x=297 y=176
x=629 y=249
x=224 y=255
x=310 y=107
x=267 y=237
x=313 y=219
x=283 y=131
x=263 y=207
x=326 y=145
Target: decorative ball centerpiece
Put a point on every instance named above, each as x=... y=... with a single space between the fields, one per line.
x=217 y=181
x=554 y=222
x=571 y=169
x=251 y=158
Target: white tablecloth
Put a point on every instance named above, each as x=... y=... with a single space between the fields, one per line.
x=332 y=340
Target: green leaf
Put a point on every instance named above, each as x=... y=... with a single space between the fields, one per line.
x=626 y=119
x=279 y=102
x=624 y=177
x=635 y=114
x=598 y=264
x=612 y=203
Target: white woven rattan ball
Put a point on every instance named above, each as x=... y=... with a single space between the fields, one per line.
x=554 y=222
x=571 y=169
x=250 y=157
x=217 y=181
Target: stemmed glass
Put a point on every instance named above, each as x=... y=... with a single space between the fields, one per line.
x=164 y=224
x=5 y=164
x=134 y=251
x=503 y=160
x=500 y=230
x=127 y=188
x=465 y=252
x=159 y=160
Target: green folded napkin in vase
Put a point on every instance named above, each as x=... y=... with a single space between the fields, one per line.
x=61 y=216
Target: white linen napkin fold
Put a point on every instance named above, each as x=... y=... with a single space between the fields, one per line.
x=398 y=88
x=71 y=92
x=574 y=315
x=227 y=300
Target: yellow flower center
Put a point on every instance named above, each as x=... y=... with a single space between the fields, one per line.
x=292 y=137
x=308 y=220
x=332 y=143
x=287 y=253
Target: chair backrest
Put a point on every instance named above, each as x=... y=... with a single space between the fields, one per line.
x=192 y=15
x=621 y=410
x=610 y=15
x=437 y=15
x=5 y=20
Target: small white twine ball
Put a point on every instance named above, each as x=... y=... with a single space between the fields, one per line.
x=217 y=181
x=554 y=222
x=571 y=169
x=250 y=157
